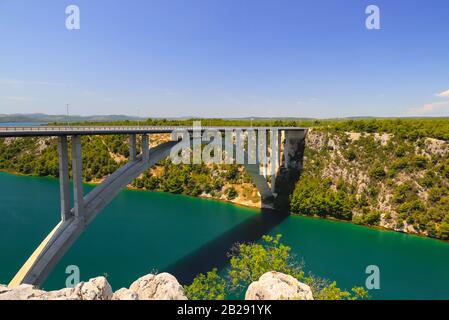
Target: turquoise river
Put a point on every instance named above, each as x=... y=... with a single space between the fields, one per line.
x=141 y=232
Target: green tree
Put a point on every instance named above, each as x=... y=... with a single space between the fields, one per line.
x=207 y=287
x=377 y=171
x=231 y=193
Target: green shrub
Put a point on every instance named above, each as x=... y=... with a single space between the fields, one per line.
x=377 y=171
x=231 y=193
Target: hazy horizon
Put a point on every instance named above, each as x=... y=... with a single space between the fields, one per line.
x=62 y=116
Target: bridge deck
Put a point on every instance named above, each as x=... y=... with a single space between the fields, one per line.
x=34 y=131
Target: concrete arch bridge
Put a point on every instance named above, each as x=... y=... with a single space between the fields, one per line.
x=86 y=207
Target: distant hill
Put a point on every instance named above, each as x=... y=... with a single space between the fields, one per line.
x=40 y=117
x=43 y=118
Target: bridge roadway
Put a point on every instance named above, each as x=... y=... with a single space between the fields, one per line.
x=35 y=131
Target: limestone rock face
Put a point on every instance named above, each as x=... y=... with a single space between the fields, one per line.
x=22 y=292
x=3 y=289
x=163 y=286
x=125 y=294
x=95 y=289
x=278 y=286
x=63 y=294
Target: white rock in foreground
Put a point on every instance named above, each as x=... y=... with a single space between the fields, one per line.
x=163 y=286
x=22 y=292
x=94 y=289
x=278 y=286
x=125 y=294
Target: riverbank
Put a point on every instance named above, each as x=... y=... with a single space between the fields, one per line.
x=237 y=201
x=249 y=205
x=377 y=228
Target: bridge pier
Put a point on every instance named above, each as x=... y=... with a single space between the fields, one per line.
x=265 y=156
x=77 y=172
x=64 y=186
x=261 y=155
x=146 y=147
x=286 y=143
x=275 y=157
x=132 y=147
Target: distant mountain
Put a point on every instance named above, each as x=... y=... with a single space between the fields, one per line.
x=44 y=118
x=40 y=117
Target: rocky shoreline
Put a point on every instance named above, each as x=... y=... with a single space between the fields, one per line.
x=164 y=286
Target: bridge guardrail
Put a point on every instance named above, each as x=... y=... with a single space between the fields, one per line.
x=12 y=131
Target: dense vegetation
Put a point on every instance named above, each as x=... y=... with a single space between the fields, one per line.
x=102 y=155
x=39 y=156
x=376 y=179
x=403 y=128
x=248 y=262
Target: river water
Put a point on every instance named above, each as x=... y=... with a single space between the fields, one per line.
x=141 y=232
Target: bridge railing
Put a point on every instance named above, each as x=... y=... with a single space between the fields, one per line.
x=26 y=131
x=86 y=128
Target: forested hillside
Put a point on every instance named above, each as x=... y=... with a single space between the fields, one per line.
x=102 y=155
x=378 y=179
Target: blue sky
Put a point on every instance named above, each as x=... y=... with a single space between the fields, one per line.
x=227 y=58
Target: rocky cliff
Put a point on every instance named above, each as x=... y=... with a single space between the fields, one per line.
x=376 y=179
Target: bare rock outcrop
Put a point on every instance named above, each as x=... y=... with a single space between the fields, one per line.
x=22 y=292
x=94 y=289
x=3 y=289
x=163 y=286
x=278 y=286
x=125 y=294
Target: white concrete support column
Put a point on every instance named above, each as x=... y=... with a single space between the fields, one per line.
x=279 y=150
x=77 y=172
x=64 y=187
x=266 y=156
x=240 y=148
x=262 y=148
x=228 y=147
x=132 y=147
x=275 y=156
x=286 y=149
x=146 y=147
x=251 y=136
x=257 y=150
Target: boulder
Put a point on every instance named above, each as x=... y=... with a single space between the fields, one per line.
x=4 y=289
x=163 y=286
x=278 y=286
x=95 y=289
x=125 y=294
